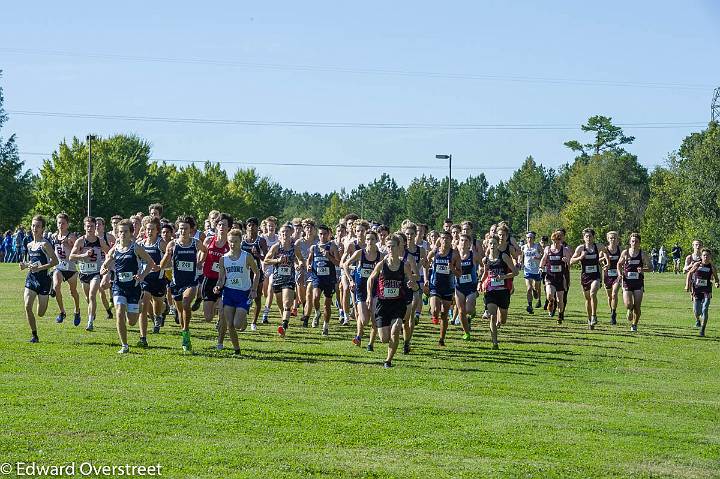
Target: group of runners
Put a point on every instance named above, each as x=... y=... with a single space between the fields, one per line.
x=381 y=281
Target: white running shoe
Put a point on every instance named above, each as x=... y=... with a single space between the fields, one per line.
x=124 y=350
x=253 y=327
x=326 y=330
x=90 y=325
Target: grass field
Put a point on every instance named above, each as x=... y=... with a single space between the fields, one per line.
x=554 y=401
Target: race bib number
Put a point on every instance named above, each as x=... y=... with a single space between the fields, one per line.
x=63 y=265
x=591 y=269
x=187 y=266
x=365 y=273
x=612 y=273
x=442 y=269
x=701 y=282
x=323 y=271
x=234 y=282
x=215 y=267
x=555 y=268
x=465 y=278
x=497 y=282
x=390 y=293
x=633 y=275
x=284 y=270
x=125 y=276
x=88 y=268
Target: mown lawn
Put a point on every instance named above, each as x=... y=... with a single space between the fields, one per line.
x=554 y=401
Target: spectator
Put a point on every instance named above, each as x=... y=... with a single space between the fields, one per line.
x=676 y=255
x=26 y=242
x=662 y=259
x=654 y=256
x=8 y=246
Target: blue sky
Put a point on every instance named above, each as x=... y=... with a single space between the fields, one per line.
x=484 y=63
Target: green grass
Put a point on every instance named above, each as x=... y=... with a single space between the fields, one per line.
x=554 y=401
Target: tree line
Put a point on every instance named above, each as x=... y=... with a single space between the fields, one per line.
x=604 y=187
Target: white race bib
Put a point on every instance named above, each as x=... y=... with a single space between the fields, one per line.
x=215 y=267
x=390 y=293
x=465 y=278
x=612 y=273
x=323 y=271
x=497 y=282
x=365 y=273
x=591 y=269
x=284 y=270
x=234 y=282
x=63 y=265
x=632 y=275
x=185 y=266
x=125 y=276
x=442 y=269
x=701 y=282
x=555 y=268
x=88 y=268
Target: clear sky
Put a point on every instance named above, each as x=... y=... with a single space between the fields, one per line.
x=478 y=63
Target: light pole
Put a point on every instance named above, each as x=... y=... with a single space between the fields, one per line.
x=449 y=158
x=89 y=139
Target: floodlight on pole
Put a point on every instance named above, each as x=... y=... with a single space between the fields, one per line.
x=449 y=158
x=89 y=139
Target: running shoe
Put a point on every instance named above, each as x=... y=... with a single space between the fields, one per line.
x=457 y=321
x=341 y=316
x=344 y=322
x=545 y=306
x=633 y=328
x=293 y=312
x=406 y=347
x=253 y=327
x=316 y=319
x=188 y=345
x=34 y=339
x=466 y=336
x=125 y=349
x=196 y=305
x=435 y=320
x=76 y=319
x=441 y=342
x=416 y=321
x=60 y=318
x=425 y=300
x=538 y=304
x=236 y=352
x=697 y=323
x=52 y=292
x=281 y=331
x=387 y=364
x=357 y=340
x=109 y=313
x=486 y=314
x=156 y=325
x=495 y=346
x=702 y=332
x=593 y=321
x=219 y=346
x=326 y=330
x=90 y=326
x=370 y=348
x=613 y=318
x=142 y=343
x=177 y=316
x=529 y=309
x=266 y=312
x=305 y=320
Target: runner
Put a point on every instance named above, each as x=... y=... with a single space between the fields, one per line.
x=353 y=242
x=167 y=232
x=65 y=270
x=41 y=257
x=154 y=287
x=611 y=278
x=544 y=241
x=87 y=251
x=156 y=210
x=271 y=238
x=498 y=271
x=633 y=262
x=215 y=248
x=466 y=287
x=445 y=264
x=303 y=278
x=257 y=246
x=530 y=257
x=700 y=276
x=322 y=260
x=588 y=255
x=181 y=254
x=366 y=259
x=127 y=256
x=555 y=260
x=389 y=282
x=239 y=282
x=693 y=257
x=110 y=240
x=419 y=266
x=283 y=256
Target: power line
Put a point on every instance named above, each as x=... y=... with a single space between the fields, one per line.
x=308 y=164
x=361 y=71
x=359 y=125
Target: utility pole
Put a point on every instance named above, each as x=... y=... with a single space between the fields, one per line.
x=527 y=214
x=89 y=139
x=449 y=158
x=715 y=106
